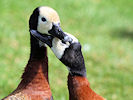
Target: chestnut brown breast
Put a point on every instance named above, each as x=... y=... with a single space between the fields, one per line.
x=79 y=89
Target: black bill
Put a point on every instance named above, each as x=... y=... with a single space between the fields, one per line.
x=56 y=31
x=47 y=39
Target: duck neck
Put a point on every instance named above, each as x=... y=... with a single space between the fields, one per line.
x=36 y=72
x=78 y=71
x=36 y=51
x=75 y=83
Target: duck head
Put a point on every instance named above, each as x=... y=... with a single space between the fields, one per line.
x=46 y=21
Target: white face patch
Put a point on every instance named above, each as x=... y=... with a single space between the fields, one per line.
x=50 y=16
x=58 y=47
x=43 y=27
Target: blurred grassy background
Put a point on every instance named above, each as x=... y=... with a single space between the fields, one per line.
x=104 y=28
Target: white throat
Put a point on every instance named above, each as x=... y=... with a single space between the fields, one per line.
x=58 y=47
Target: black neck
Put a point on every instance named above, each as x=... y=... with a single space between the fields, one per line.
x=74 y=59
x=37 y=67
x=37 y=52
x=79 y=71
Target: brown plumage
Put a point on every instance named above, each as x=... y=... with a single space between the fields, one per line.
x=34 y=84
x=71 y=56
x=79 y=89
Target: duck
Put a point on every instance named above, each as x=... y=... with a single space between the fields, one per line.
x=34 y=84
x=70 y=54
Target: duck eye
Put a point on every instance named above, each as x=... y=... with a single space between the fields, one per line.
x=43 y=19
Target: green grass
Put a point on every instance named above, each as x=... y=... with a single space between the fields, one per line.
x=104 y=28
